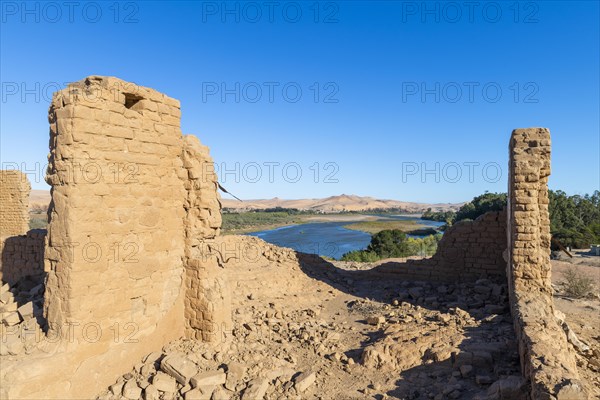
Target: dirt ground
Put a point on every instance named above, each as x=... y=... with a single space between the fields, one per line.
x=305 y=328
x=308 y=328
x=582 y=315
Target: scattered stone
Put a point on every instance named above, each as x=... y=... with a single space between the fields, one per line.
x=179 y=367
x=26 y=310
x=511 y=387
x=210 y=378
x=483 y=379
x=235 y=373
x=415 y=292
x=132 y=391
x=256 y=389
x=7 y=297
x=4 y=288
x=466 y=370
x=12 y=319
x=116 y=388
x=220 y=394
x=164 y=382
x=151 y=393
x=571 y=391
x=376 y=320
x=153 y=357
x=304 y=381
x=5 y=308
x=196 y=394
x=445 y=318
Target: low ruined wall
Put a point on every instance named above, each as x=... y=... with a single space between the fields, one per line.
x=546 y=358
x=14 y=203
x=22 y=256
x=129 y=209
x=469 y=250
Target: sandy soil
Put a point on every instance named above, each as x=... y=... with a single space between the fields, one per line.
x=582 y=315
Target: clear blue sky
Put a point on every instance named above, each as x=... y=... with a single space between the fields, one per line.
x=371 y=119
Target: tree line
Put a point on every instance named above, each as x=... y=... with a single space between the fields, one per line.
x=574 y=220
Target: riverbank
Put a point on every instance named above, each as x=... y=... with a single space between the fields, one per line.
x=252 y=222
x=378 y=225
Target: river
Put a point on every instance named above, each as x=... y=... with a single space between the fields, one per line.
x=329 y=239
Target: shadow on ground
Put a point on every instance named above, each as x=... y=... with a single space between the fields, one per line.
x=483 y=365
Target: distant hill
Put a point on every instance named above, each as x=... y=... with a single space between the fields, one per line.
x=331 y=204
x=339 y=203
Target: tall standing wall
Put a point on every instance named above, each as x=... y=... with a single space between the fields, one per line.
x=127 y=212
x=116 y=235
x=546 y=357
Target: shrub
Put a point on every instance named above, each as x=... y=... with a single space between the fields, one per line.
x=360 y=256
x=576 y=239
x=393 y=243
x=577 y=284
x=39 y=222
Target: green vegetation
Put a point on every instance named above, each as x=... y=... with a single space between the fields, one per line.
x=577 y=284
x=380 y=225
x=440 y=216
x=253 y=221
x=574 y=220
x=38 y=220
x=471 y=210
x=480 y=205
x=393 y=243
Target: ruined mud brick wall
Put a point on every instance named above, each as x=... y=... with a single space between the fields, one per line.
x=117 y=215
x=122 y=206
x=22 y=256
x=207 y=302
x=546 y=358
x=21 y=251
x=469 y=250
x=14 y=203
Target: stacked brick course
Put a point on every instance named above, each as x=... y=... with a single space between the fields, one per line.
x=22 y=252
x=546 y=357
x=22 y=256
x=469 y=250
x=128 y=213
x=117 y=213
x=207 y=302
x=14 y=203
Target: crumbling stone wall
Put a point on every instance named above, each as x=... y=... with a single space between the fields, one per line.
x=469 y=250
x=14 y=203
x=22 y=256
x=546 y=358
x=128 y=211
x=207 y=302
x=22 y=252
x=117 y=213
